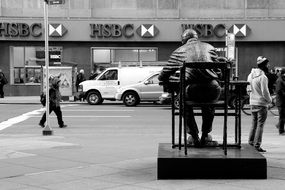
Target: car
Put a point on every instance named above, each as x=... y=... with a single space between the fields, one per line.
x=166 y=98
x=148 y=90
x=104 y=86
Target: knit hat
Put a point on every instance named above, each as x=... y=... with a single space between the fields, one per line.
x=262 y=59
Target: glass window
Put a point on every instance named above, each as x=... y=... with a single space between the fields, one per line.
x=126 y=55
x=154 y=79
x=27 y=63
x=113 y=55
x=101 y=56
x=110 y=75
x=148 y=54
x=167 y=4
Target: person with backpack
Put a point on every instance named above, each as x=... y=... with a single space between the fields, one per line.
x=54 y=103
x=3 y=81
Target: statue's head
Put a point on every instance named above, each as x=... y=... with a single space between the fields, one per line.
x=188 y=34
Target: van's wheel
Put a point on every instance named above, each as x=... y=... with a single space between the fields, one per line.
x=131 y=99
x=176 y=101
x=94 y=98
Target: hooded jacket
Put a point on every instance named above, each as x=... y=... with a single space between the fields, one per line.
x=258 y=88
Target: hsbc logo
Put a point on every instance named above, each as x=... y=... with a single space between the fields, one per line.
x=127 y=30
x=147 y=30
x=56 y=30
x=239 y=30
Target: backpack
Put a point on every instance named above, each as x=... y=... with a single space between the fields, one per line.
x=43 y=99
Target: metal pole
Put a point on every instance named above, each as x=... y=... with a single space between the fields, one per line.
x=47 y=129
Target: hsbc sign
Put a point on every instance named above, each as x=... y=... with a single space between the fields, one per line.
x=15 y=30
x=219 y=30
x=127 y=30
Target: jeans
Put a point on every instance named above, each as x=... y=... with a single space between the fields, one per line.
x=58 y=114
x=259 y=116
x=204 y=92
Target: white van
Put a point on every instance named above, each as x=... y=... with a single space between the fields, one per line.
x=106 y=84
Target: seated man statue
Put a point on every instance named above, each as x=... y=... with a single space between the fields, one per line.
x=201 y=84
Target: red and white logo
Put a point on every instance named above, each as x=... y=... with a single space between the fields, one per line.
x=56 y=30
x=147 y=30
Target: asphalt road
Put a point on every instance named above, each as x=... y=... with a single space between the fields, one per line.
x=111 y=118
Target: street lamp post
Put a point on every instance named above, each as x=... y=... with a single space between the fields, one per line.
x=47 y=129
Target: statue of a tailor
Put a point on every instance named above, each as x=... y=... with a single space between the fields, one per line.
x=202 y=85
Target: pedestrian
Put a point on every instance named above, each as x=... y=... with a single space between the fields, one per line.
x=272 y=77
x=280 y=101
x=54 y=103
x=80 y=78
x=202 y=85
x=3 y=81
x=259 y=99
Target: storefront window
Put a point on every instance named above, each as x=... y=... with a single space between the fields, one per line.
x=148 y=54
x=126 y=55
x=115 y=55
x=27 y=63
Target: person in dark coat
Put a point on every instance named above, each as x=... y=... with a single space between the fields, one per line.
x=202 y=85
x=280 y=101
x=80 y=78
x=54 y=103
x=3 y=81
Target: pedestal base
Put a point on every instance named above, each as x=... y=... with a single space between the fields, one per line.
x=210 y=163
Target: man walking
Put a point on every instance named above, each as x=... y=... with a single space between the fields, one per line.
x=54 y=103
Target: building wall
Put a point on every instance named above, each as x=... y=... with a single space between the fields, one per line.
x=167 y=15
x=136 y=9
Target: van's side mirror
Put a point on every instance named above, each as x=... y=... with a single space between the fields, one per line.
x=147 y=82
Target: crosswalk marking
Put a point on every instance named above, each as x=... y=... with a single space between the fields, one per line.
x=82 y=116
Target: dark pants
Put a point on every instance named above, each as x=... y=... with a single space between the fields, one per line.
x=281 y=122
x=1 y=91
x=203 y=92
x=58 y=114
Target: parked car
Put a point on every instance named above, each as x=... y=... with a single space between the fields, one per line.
x=106 y=84
x=165 y=98
x=148 y=90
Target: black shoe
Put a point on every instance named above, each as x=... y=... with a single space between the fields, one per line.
x=282 y=133
x=195 y=141
x=62 y=126
x=42 y=125
x=259 y=149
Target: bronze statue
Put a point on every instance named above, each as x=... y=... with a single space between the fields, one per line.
x=202 y=85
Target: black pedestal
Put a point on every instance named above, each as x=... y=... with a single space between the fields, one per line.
x=210 y=163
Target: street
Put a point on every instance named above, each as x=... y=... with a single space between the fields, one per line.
x=109 y=146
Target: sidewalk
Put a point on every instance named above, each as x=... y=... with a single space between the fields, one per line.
x=20 y=100
x=26 y=100
x=87 y=156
